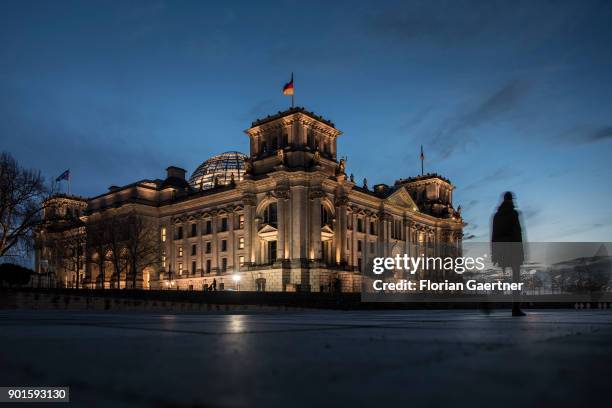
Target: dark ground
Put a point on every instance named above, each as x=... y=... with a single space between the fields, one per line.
x=329 y=358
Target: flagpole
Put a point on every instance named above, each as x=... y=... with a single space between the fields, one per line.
x=293 y=94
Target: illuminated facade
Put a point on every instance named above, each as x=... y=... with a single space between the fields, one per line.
x=285 y=218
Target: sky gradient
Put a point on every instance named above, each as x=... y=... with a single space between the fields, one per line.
x=503 y=95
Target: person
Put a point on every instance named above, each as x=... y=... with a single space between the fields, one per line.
x=214 y=284
x=507 y=244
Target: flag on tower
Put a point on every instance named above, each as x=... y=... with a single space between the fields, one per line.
x=64 y=176
x=288 y=88
x=422 y=160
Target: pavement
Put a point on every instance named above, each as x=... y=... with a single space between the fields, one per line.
x=317 y=358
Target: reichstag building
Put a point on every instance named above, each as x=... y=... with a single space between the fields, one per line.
x=285 y=217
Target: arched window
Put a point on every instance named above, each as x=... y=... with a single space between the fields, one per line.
x=270 y=215
x=326 y=216
x=273 y=143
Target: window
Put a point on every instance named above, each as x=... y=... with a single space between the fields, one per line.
x=270 y=215
x=208 y=247
x=180 y=268
x=208 y=266
x=396 y=232
x=223 y=264
x=163 y=234
x=208 y=227
x=179 y=233
x=372 y=247
x=271 y=251
x=180 y=251
x=193 y=267
x=359 y=263
x=372 y=228
x=241 y=260
x=348 y=243
x=224 y=245
x=326 y=217
x=163 y=261
x=241 y=243
x=359 y=225
x=223 y=224
x=194 y=249
x=241 y=221
x=194 y=230
x=359 y=245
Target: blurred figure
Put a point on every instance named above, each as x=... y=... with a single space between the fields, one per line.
x=507 y=244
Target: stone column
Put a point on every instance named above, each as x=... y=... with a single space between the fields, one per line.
x=340 y=229
x=408 y=231
x=215 y=243
x=249 y=202
x=386 y=234
x=282 y=197
x=231 y=255
x=315 y=224
x=299 y=211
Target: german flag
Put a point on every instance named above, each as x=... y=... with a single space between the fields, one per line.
x=288 y=88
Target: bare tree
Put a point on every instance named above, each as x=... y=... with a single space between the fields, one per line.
x=22 y=194
x=67 y=255
x=99 y=242
x=142 y=245
x=116 y=233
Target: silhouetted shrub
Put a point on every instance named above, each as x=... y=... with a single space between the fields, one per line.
x=14 y=275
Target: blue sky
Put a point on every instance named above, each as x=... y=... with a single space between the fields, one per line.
x=503 y=95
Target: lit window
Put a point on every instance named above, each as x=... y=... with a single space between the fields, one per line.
x=163 y=234
x=241 y=243
x=241 y=260
x=180 y=268
x=163 y=261
x=180 y=251
x=241 y=221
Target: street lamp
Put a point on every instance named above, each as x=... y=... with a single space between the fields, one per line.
x=236 y=278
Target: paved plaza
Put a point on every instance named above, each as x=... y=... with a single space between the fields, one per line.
x=313 y=358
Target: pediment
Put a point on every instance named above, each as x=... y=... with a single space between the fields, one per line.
x=268 y=233
x=327 y=233
x=402 y=198
x=267 y=228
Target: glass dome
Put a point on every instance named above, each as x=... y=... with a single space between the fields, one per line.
x=221 y=167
